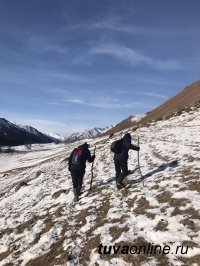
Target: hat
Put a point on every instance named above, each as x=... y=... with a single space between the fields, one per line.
x=127 y=136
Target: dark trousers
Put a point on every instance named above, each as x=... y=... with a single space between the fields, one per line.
x=77 y=177
x=121 y=169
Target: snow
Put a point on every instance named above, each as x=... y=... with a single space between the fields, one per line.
x=137 y=118
x=164 y=212
x=88 y=133
x=56 y=136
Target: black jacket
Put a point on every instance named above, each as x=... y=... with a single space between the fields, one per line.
x=126 y=146
x=86 y=157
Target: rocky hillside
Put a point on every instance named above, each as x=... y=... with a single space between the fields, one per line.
x=40 y=224
x=188 y=97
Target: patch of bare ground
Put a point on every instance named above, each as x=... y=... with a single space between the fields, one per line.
x=81 y=216
x=48 y=225
x=58 y=193
x=190 y=177
x=162 y=225
x=195 y=260
x=190 y=224
x=164 y=197
x=7 y=231
x=194 y=185
x=158 y=155
x=92 y=243
x=4 y=255
x=14 y=248
x=190 y=213
x=137 y=252
x=55 y=256
x=116 y=231
x=191 y=159
x=130 y=202
x=142 y=206
x=156 y=187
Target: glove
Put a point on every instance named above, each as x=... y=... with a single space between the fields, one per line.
x=93 y=157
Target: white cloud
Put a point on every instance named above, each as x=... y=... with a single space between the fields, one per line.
x=105 y=103
x=135 y=57
x=152 y=94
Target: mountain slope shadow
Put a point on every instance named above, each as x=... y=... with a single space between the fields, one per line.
x=159 y=169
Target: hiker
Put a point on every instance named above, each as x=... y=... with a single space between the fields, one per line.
x=77 y=165
x=121 y=160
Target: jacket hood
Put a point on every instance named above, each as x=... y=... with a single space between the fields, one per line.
x=84 y=146
x=127 y=136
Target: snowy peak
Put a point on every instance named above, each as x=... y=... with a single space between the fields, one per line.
x=87 y=134
x=56 y=136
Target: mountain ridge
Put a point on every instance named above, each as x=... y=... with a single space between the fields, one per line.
x=13 y=134
x=187 y=97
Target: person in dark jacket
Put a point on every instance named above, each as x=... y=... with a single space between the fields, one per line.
x=121 y=160
x=77 y=165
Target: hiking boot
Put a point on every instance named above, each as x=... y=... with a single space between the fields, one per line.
x=120 y=185
x=76 y=196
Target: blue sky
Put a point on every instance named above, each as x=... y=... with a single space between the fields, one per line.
x=67 y=65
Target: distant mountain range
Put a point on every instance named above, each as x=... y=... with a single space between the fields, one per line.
x=87 y=134
x=12 y=134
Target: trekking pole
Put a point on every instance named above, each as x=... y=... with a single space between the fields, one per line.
x=92 y=170
x=138 y=153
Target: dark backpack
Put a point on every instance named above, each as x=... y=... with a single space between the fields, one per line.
x=116 y=146
x=77 y=156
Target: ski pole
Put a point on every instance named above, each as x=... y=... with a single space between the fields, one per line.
x=92 y=170
x=142 y=177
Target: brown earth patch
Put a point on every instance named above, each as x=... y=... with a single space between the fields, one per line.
x=190 y=224
x=130 y=202
x=48 y=225
x=58 y=193
x=142 y=205
x=92 y=243
x=4 y=255
x=116 y=231
x=81 y=217
x=158 y=155
x=7 y=231
x=150 y=215
x=161 y=226
x=156 y=187
x=164 y=197
x=49 y=258
x=190 y=261
x=194 y=185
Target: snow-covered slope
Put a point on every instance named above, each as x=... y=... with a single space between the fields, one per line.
x=40 y=224
x=56 y=136
x=87 y=134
